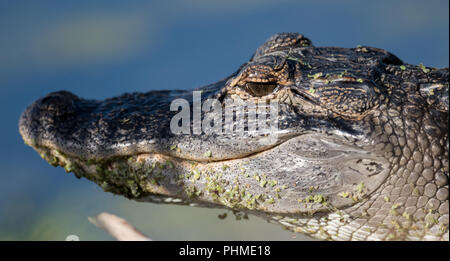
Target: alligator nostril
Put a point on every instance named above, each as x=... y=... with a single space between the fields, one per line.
x=49 y=117
x=58 y=104
x=57 y=97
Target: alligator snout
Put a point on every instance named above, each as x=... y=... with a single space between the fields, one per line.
x=53 y=112
x=130 y=124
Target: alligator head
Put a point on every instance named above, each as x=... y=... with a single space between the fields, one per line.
x=357 y=146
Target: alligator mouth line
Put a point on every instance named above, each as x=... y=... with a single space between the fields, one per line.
x=52 y=148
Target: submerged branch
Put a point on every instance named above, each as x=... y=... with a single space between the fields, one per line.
x=118 y=227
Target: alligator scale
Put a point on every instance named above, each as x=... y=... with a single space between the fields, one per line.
x=361 y=148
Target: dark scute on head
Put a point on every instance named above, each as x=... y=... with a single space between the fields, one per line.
x=282 y=41
x=392 y=59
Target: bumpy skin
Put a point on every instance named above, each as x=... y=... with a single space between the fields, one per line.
x=360 y=153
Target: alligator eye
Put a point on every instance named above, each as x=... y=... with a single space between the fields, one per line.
x=259 y=89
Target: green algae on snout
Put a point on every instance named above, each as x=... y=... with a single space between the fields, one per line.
x=423 y=68
x=316 y=75
x=196 y=175
x=273 y=183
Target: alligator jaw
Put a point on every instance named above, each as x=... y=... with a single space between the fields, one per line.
x=312 y=183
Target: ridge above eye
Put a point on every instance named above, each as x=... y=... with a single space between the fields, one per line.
x=260 y=89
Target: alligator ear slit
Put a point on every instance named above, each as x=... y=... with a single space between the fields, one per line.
x=304 y=96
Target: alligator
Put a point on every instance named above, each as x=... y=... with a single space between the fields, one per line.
x=359 y=152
